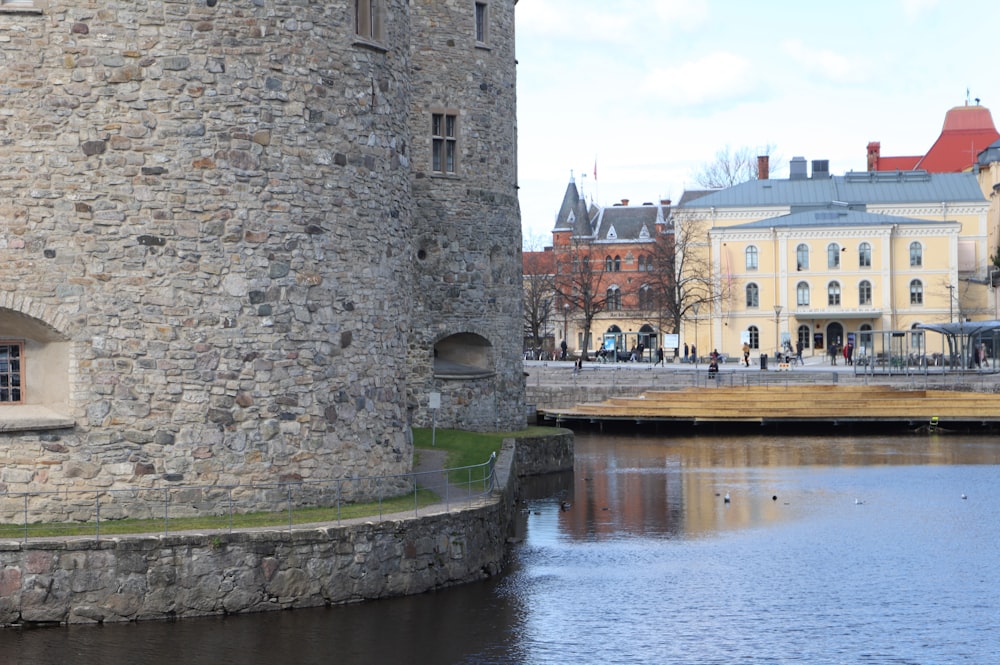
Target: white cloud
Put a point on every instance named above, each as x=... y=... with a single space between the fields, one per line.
x=917 y=8
x=828 y=64
x=717 y=76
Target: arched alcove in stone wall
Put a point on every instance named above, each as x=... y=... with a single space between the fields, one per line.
x=463 y=356
x=34 y=373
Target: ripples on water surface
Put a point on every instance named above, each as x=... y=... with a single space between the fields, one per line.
x=648 y=564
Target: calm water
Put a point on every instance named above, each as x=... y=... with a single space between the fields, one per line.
x=832 y=550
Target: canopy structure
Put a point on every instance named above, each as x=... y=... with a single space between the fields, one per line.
x=963 y=345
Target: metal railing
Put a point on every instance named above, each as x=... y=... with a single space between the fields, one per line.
x=97 y=513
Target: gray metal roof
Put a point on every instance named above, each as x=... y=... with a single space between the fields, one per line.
x=854 y=188
x=629 y=223
x=833 y=217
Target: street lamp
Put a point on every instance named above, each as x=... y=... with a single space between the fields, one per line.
x=777 y=329
x=565 y=324
x=695 y=307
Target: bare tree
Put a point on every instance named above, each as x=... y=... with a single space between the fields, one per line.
x=539 y=295
x=682 y=274
x=731 y=167
x=579 y=278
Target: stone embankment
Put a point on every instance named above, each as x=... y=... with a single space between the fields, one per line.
x=146 y=577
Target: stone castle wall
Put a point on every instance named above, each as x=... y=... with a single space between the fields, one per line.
x=468 y=269
x=207 y=224
x=161 y=577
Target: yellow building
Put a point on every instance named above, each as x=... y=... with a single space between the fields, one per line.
x=815 y=260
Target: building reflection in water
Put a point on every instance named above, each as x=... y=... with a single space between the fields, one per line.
x=648 y=485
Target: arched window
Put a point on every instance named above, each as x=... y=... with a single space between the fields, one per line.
x=864 y=255
x=754 y=337
x=833 y=255
x=614 y=298
x=802 y=294
x=916 y=292
x=753 y=296
x=609 y=264
x=618 y=264
x=802 y=257
x=833 y=293
x=865 y=293
x=916 y=255
x=751 y=258
x=803 y=336
x=645 y=297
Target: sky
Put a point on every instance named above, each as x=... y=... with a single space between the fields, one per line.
x=649 y=91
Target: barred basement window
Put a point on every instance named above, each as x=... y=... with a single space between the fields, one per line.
x=11 y=372
x=443 y=129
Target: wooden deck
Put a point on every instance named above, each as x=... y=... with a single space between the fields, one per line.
x=801 y=404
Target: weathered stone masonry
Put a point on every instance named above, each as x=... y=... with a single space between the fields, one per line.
x=209 y=225
x=157 y=577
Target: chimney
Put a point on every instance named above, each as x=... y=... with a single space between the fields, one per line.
x=821 y=169
x=624 y=202
x=797 y=169
x=763 y=172
x=664 y=202
x=874 y=152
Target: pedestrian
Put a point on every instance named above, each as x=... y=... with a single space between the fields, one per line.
x=849 y=352
x=632 y=357
x=833 y=353
x=686 y=353
x=563 y=346
x=694 y=354
x=798 y=352
x=659 y=355
x=746 y=354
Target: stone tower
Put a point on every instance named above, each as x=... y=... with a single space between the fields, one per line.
x=467 y=322
x=227 y=259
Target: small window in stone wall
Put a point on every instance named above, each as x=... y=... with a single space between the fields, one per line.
x=482 y=23
x=368 y=20
x=444 y=135
x=24 y=6
x=11 y=372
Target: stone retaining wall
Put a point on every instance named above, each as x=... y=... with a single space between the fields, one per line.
x=186 y=575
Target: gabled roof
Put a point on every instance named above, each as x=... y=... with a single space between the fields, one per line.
x=856 y=189
x=630 y=223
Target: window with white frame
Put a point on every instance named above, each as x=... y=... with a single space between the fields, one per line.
x=833 y=294
x=753 y=296
x=754 y=335
x=833 y=255
x=368 y=20
x=916 y=292
x=11 y=372
x=916 y=255
x=865 y=293
x=802 y=294
x=482 y=22
x=802 y=257
x=864 y=255
x=444 y=139
x=751 y=257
